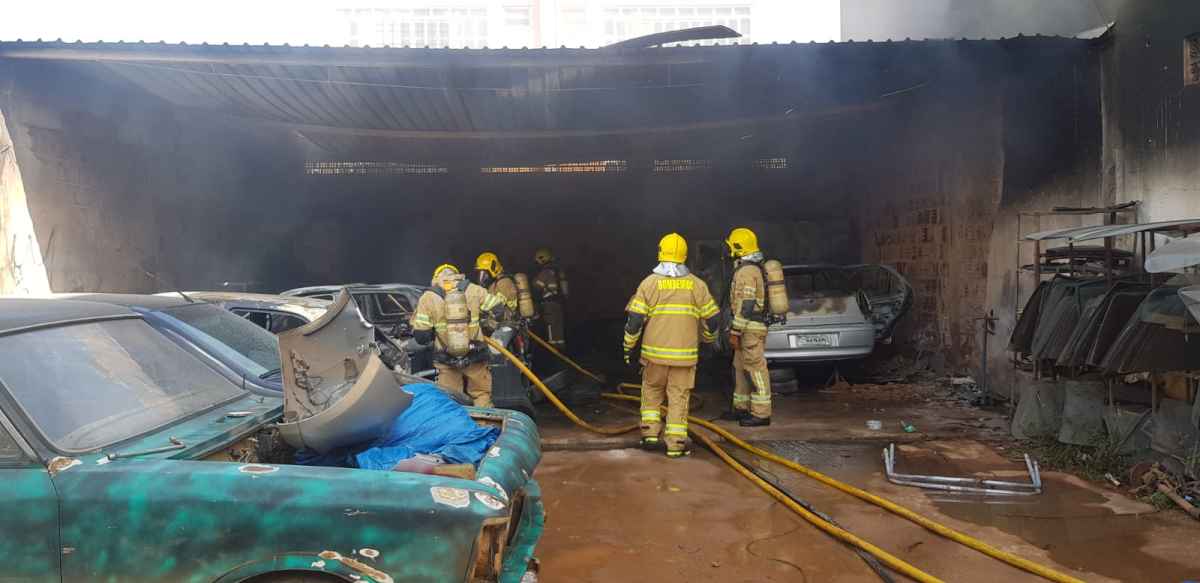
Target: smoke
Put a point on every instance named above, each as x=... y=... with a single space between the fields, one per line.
x=932 y=19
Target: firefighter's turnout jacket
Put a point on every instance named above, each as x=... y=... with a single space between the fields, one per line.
x=429 y=318
x=675 y=312
x=748 y=295
x=506 y=288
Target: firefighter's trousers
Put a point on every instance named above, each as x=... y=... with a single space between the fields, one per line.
x=475 y=378
x=675 y=383
x=555 y=321
x=751 y=381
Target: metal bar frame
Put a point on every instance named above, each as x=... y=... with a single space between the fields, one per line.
x=952 y=484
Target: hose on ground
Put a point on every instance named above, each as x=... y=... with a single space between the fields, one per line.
x=565 y=358
x=872 y=562
x=839 y=533
x=935 y=527
x=554 y=398
x=932 y=526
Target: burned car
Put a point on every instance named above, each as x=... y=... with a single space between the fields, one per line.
x=126 y=457
x=837 y=312
x=387 y=305
x=280 y=313
x=510 y=389
x=241 y=351
x=275 y=313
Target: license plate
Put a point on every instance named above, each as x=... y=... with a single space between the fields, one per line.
x=812 y=340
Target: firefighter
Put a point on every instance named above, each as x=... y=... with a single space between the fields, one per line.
x=676 y=311
x=492 y=276
x=550 y=287
x=747 y=337
x=452 y=315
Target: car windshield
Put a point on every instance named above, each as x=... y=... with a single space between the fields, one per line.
x=228 y=336
x=86 y=386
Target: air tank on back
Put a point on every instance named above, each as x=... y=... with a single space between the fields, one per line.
x=524 y=297
x=458 y=321
x=777 y=298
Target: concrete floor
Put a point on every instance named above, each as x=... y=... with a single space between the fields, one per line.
x=621 y=514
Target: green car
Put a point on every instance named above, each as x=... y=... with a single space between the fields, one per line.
x=124 y=457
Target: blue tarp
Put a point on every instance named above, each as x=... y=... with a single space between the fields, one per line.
x=432 y=424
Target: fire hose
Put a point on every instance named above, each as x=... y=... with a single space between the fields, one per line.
x=928 y=524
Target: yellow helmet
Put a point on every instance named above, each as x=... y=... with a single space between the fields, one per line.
x=437 y=271
x=742 y=242
x=672 y=248
x=543 y=256
x=487 y=261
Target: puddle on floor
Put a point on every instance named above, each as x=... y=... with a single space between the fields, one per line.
x=1079 y=526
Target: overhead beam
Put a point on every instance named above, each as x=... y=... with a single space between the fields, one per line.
x=354 y=56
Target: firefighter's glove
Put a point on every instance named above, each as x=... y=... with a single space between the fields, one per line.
x=735 y=341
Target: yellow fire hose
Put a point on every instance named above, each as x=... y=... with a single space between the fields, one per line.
x=897 y=564
x=932 y=526
x=564 y=358
x=839 y=533
x=554 y=398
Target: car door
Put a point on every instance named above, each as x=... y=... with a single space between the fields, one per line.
x=888 y=296
x=29 y=535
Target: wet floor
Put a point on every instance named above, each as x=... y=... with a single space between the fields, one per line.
x=1076 y=525
x=629 y=515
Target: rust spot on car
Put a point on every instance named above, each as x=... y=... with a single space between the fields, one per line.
x=357 y=565
x=61 y=463
x=256 y=469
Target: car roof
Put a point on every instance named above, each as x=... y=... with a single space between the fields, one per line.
x=309 y=308
x=140 y=301
x=354 y=287
x=17 y=312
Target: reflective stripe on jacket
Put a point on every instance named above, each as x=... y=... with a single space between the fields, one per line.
x=748 y=285
x=430 y=313
x=506 y=288
x=676 y=311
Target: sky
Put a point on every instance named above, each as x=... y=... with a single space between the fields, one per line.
x=308 y=21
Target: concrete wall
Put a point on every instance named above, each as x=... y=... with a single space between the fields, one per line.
x=129 y=194
x=927 y=210
x=1151 y=119
x=21 y=268
x=1134 y=136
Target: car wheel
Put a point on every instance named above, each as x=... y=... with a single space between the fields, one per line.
x=782 y=374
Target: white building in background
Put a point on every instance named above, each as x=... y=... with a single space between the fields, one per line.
x=572 y=23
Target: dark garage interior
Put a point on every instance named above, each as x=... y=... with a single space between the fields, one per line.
x=317 y=165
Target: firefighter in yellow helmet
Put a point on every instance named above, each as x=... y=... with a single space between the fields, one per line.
x=550 y=289
x=452 y=316
x=676 y=311
x=747 y=293
x=491 y=275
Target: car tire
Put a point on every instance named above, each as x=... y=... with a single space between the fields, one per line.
x=782 y=374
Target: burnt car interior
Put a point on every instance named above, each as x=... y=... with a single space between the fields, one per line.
x=874 y=292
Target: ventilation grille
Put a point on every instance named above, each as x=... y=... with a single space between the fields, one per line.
x=561 y=168
x=681 y=165
x=771 y=163
x=325 y=168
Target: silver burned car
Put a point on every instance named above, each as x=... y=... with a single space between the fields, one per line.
x=837 y=312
